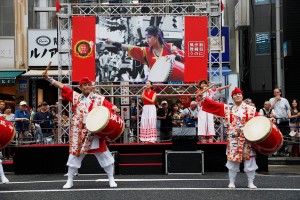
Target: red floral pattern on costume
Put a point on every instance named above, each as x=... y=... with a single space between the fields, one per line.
x=80 y=139
x=238 y=148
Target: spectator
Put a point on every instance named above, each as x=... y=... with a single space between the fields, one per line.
x=190 y=115
x=175 y=115
x=8 y=115
x=56 y=106
x=281 y=107
x=163 y=114
x=133 y=121
x=180 y=106
x=45 y=120
x=55 y=127
x=267 y=111
x=248 y=101
x=22 y=119
x=2 y=107
x=148 y=132
x=294 y=116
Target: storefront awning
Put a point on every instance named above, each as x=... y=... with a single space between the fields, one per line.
x=9 y=77
x=38 y=73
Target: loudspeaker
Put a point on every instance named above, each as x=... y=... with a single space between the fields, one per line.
x=184 y=162
x=184 y=139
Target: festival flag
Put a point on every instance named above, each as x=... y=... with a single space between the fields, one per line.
x=196 y=48
x=83 y=47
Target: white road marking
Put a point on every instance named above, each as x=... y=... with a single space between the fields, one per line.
x=149 y=189
x=117 y=180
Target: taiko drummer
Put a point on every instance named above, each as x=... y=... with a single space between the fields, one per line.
x=81 y=141
x=238 y=148
x=157 y=48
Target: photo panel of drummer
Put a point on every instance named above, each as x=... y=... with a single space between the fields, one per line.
x=127 y=49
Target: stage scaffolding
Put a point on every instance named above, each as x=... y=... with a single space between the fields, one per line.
x=209 y=8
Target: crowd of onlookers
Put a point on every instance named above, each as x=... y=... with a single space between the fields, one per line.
x=31 y=126
x=285 y=114
x=40 y=126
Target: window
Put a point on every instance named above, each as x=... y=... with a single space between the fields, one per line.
x=262 y=43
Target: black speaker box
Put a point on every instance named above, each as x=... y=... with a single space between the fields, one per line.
x=184 y=162
x=184 y=139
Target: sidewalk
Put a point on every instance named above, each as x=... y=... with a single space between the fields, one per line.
x=284 y=169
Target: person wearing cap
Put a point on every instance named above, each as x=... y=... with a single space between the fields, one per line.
x=22 y=120
x=44 y=120
x=238 y=148
x=81 y=141
x=148 y=132
x=157 y=48
x=206 y=124
x=190 y=115
x=163 y=114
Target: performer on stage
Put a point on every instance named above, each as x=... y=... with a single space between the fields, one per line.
x=206 y=125
x=2 y=175
x=148 y=132
x=81 y=141
x=238 y=148
x=157 y=48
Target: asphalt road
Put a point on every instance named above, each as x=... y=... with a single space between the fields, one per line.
x=281 y=182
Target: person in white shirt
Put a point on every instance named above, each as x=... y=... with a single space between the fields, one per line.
x=281 y=107
x=267 y=111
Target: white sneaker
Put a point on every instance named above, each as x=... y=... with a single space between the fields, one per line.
x=4 y=179
x=68 y=185
x=251 y=186
x=231 y=185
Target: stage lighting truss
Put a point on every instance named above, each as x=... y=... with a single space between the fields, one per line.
x=209 y=8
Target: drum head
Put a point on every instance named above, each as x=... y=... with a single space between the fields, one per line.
x=160 y=71
x=257 y=129
x=97 y=119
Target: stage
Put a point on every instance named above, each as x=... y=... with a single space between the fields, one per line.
x=130 y=158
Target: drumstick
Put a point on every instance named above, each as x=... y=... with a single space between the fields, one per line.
x=48 y=67
x=207 y=89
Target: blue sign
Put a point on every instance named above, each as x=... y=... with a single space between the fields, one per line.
x=225 y=40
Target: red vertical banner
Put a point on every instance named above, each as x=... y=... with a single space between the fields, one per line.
x=196 y=48
x=83 y=47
